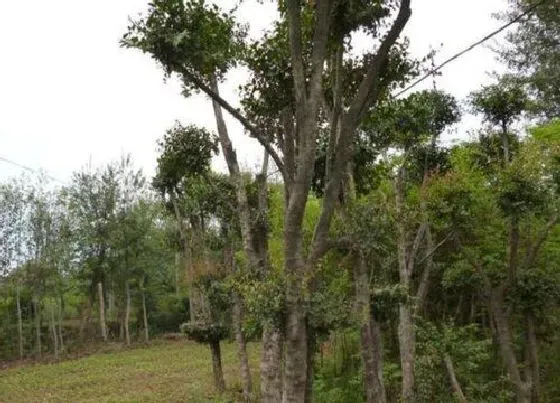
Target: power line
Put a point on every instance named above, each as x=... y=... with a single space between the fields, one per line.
x=32 y=170
x=434 y=70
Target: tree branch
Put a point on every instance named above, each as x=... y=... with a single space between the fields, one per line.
x=533 y=251
x=368 y=84
x=252 y=129
x=416 y=245
x=434 y=250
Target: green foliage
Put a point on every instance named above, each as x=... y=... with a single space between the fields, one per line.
x=499 y=104
x=187 y=35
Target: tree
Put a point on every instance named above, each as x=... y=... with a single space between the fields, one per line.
x=169 y=36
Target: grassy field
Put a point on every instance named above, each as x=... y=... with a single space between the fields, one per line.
x=178 y=371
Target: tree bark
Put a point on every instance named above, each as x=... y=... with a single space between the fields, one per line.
x=37 y=311
x=245 y=371
x=178 y=271
x=145 y=315
x=406 y=325
x=60 y=319
x=102 y=312
x=127 y=315
x=457 y=391
x=20 y=323
x=504 y=338
x=54 y=335
x=219 y=382
x=270 y=368
x=533 y=355
x=370 y=338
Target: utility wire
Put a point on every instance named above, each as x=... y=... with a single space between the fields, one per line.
x=434 y=70
x=29 y=169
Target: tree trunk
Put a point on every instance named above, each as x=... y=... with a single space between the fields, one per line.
x=504 y=338
x=457 y=391
x=406 y=324
x=309 y=363
x=533 y=355
x=370 y=338
x=245 y=371
x=295 y=368
x=60 y=319
x=145 y=314
x=178 y=272
x=54 y=335
x=102 y=312
x=217 y=365
x=86 y=317
x=20 y=323
x=37 y=311
x=127 y=315
x=270 y=369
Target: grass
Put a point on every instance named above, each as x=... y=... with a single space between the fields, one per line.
x=163 y=372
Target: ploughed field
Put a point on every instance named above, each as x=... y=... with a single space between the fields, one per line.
x=172 y=371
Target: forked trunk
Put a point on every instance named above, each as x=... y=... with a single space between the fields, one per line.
x=102 y=323
x=270 y=370
x=20 y=323
x=127 y=315
x=219 y=382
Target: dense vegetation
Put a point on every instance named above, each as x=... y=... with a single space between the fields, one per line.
x=382 y=265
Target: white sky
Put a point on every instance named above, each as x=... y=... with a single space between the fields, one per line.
x=68 y=93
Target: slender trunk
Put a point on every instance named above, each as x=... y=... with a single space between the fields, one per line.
x=505 y=142
x=370 y=338
x=217 y=365
x=20 y=323
x=86 y=317
x=533 y=355
x=102 y=312
x=504 y=338
x=423 y=287
x=457 y=391
x=37 y=311
x=178 y=271
x=127 y=315
x=237 y=319
x=60 y=319
x=54 y=335
x=145 y=315
x=270 y=369
x=406 y=325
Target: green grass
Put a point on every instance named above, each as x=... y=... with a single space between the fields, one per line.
x=164 y=372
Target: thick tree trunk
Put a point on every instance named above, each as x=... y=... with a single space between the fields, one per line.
x=37 y=311
x=457 y=391
x=20 y=323
x=127 y=315
x=370 y=338
x=504 y=338
x=270 y=369
x=53 y=331
x=219 y=382
x=102 y=322
x=533 y=355
x=295 y=369
x=145 y=315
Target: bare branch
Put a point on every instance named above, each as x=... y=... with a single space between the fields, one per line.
x=252 y=129
x=434 y=250
x=369 y=84
x=422 y=229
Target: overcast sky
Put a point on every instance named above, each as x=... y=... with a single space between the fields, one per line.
x=69 y=94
